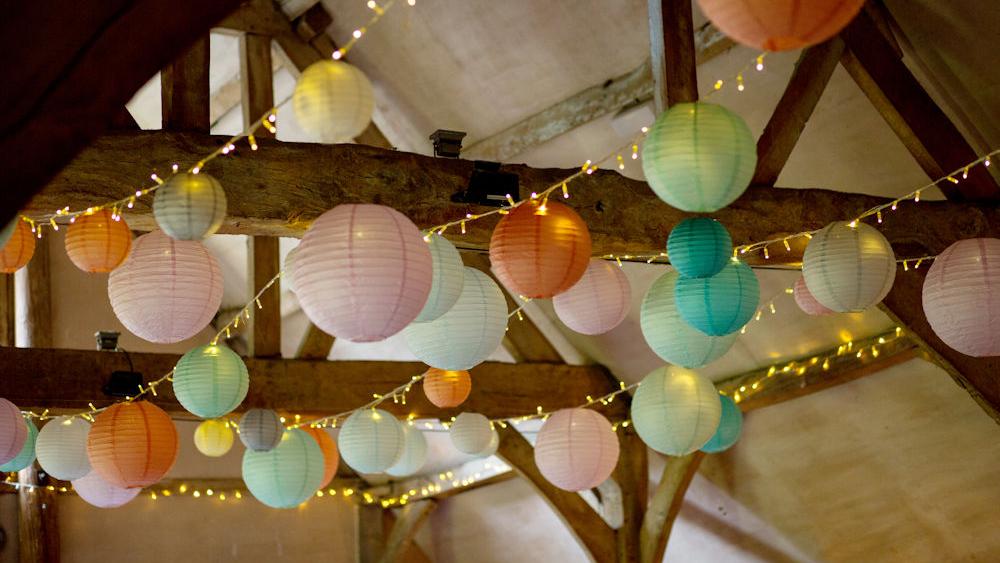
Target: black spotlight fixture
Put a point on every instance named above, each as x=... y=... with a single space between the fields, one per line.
x=447 y=144
x=121 y=383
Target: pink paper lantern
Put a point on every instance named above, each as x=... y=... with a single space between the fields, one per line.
x=96 y=491
x=167 y=290
x=576 y=449
x=363 y=272
x=806 y=301
x=598 y=302
x=13 y=431
x=962 y=296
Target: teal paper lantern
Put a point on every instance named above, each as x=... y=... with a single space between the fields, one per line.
x=211 y=381
x=721 y=304
x=287 y=475
x=26 y=456
x=675 y=411
x=447 y=281
x=730 y=426
x=699 y=157
x=670 y=336
x=699 y=247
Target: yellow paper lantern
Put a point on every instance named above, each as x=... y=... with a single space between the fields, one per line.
x=213 y=438
x=333 y=101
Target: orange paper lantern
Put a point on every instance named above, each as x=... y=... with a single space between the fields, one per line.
x=780 y=25
x=540 y=250
x=331 y=457
x=97 y=242
x=18 y=250
x=447 y=388
x=132 y=444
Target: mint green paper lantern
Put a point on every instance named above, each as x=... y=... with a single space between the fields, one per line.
x=26 y=456
x=287 y=475
x=730 y=426
x=721 y=304
x=447 y=281
x=699 y=247
x=675 y=411
x=210 y=381
x=699 y=157
x=670 y=336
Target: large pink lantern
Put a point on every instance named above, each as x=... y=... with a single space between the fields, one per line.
x=167 y=290
x=962 y=296
x=806 y=301
x=577 y=449
x=13 y=431
x=362 y=272
x=598 y=302
x=98 y=492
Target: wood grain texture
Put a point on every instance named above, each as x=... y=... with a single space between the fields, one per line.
x=671 y=40
x=184 y=89
x=407 y=524
x=257 y=80
x=38 y=522
x=315 y=345
x=7 y=318
x=666 y=505
x=264 y=263
x=632 y=476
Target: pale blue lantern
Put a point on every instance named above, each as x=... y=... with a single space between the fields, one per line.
x=675 y=411
x=210 y=381
x=448 y=278
x=699 y=247
x=730 y=426
x=287 y=475
x=371 y=440
x=26 y=456
x=721 y=304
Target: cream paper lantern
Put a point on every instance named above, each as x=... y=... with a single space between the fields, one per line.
x=190 y=206
x=448 y=280
x=61 y=448
x=492 y=447
x=213 y=438
x=333 y=101
x=371 y=440
x=471 y=433
x=675 y=410
x=414 y=454
x=598 y=302
x=576 y=449
x=848 y=267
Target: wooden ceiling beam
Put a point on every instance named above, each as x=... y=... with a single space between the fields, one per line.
x=673 y=55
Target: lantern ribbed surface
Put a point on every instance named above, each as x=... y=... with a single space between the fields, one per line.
x=730 y=426
x=491 y=448
x=8 y=230
x=699 y=247
x=576 y=449
x=848 y=269
x=213 y=438
x=371 y=440
x=13 y=431
x=333 y=101
x=210 y=381
x=806 y=301
x=97 y=242
x=18 y=250
x=448 y=279
x=467 y=334
x=363 y=272
x=598 y=302
x=540 y=251
x=699 y=157
x=61 y=448
x=167 y=290
x=721 y=304
x=447 y=388
x=331 y=457
x=471 y=433
x=675 y=410
x=780 y=25
x=26 y=456
x=670 y=336
x=288 y=277
x=260 y=429
x=289 y=474
x=94 y=490
x=961 y=296
x=414 y=454
x=190 y=206
x=132 y=444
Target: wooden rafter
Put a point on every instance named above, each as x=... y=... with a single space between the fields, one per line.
x=671 y=40
x=666 y=505
x=632 y=476
x=315 y=345
x=405 y=527
x=184 y=89
x=38 y=522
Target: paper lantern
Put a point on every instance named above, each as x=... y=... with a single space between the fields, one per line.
x=26 y=456
x=721 y=304
x=468 y=333
x=448 y=279
x=132 y=444
x=260 y=429
x=414 y=454
x=13 y=431
x=471 y=433
x=167 y=290
x=848 y=269
x=540 y=250
x=288 y=275
x=19 y=248
x=491 y=448
x=730 y=426
x=806 y=301
x=447 y=388
x=8 y=230
x=331 y=457
x=190 y=206
x=213 y=438
x=371 y=440
x=699 y=157
x=670 y=336
x=961 y=296
x=211 y=381
x=61 y=448
x=97 y=242
x=598 y=302
x=780 y=25
x=576 y=449
x=699 y=247
x=94 y=490
x=289 y=474
x=675 y=411
x=363 y=272
x=333 y=101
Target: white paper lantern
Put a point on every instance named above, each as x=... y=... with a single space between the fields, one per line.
x=961 y=296
x=288 y=277
x=414 y=454
x=333 y=101
x=449 y=278
x=471 y=433
x=468 y=333
x=94 y=490
x=849 y=268
x=260 y=429
x=492 y=447
x=190 y=206
x=576 y=449
x=61 y=448
x=675 y=411
x=371 y=440
x=598 y=302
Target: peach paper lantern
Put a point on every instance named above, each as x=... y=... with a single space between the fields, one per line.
x=97 y=242
x=168 y=290
x=598 y=302
x=447 y=388
x=576 y=449
x=806 y=301
x=363 y=272
x=18 y=250
x=132 y=444
x=331 y=457
x=93 y=489
x=540 y=250
x=780 y=25
x=13 y=432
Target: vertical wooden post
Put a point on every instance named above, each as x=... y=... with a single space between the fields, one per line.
x=7 y=319
x=671 y=39
x=38 y=525
x=405 y=528
x=371 y=533
x=38 y=298
x=257 y=79
x=265 y=320
x=184 y=90
x=666 y=505
x=632 y=475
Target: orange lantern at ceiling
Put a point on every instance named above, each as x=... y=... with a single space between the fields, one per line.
x=331 y=457
x=540 y=249
x=446 y=388
x=780 y=25
x=96 y=242
x=18 y=250
x=132 y=444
